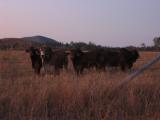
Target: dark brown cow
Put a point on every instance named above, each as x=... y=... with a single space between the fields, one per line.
x=129 y=57
x=109 y=58
x=35 y=59
x=56 y=58
x=122 y=58
x=82 y=60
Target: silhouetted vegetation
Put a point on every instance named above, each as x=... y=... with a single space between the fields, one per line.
x=40 y=41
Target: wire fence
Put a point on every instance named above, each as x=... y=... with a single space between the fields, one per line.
x=137 y=73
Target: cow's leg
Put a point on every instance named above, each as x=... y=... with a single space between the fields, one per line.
x=130 y=65
x=79 y=70
x=123 y=67
x=66 y=67
x=37 y=70
x=56 y=70
x=101 y=68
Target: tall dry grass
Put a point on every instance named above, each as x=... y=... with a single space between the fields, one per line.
x=25 y=96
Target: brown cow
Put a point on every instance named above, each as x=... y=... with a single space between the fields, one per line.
x=122 y=58
x=82 y=60
x=55 y=58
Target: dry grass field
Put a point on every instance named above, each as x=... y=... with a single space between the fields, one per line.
x=25 y=96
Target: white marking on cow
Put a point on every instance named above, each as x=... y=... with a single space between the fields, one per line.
x=70 y=63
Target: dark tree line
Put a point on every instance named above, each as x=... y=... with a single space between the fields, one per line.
x=81 y=45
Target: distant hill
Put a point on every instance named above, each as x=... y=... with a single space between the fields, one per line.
x=23 y=43
x=38 y=41
x=41 y=40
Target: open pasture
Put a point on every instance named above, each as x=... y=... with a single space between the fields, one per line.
x=25 y=96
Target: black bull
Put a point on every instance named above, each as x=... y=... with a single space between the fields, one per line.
x=98 y=58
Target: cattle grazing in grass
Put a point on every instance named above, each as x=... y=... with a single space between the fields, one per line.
x=99 y=58
x=35 y=59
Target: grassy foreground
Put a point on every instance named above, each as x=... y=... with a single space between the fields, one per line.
x=25 y=96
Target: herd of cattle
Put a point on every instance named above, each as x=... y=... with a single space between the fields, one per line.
x=99 y=59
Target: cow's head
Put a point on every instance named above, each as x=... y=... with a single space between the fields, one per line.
x=48 y=52
x=74 y=53
x=33 y=51
x=135 y=54
x=77 y=53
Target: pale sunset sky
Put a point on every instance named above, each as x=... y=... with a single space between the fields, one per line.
x=104 y=22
